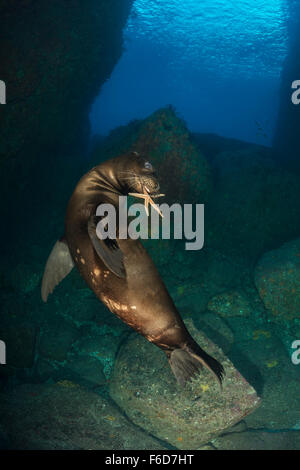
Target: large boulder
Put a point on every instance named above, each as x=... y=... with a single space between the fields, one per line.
x=65 y=416
x=183 y=171
x=260 y=355
x=143 y=385
x=277 y=277
x=57 y=337
x=259 y=440
x=54 y=58
x=230 y=304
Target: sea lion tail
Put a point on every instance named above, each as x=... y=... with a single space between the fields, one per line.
x=186 y=362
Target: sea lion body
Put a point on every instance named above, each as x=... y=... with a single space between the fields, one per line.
x=139 y=298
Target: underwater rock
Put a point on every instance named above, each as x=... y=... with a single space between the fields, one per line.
x=255 y=205
x=24 y=278
x=4 y=441
x=239 y=427
x=193 y=281
x=143 y=385
x=188 y=296
x=259 y=354
x=44 y=370
x=280 y=407
x=85 y=370
x=49 y=91
x=183 y=172
x=258 y=440
x=213 y=144
x=230 y=304
x=57 y=338
x=277 y=278
x=67 y=416
x=78 y=304
x=218 y=270
x=94 y=342
x=212 y=270
x=99 y=344
x=206 y=447
x=20 y=341
x=217 y=330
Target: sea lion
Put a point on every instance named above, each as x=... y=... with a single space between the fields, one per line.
x=120 y=272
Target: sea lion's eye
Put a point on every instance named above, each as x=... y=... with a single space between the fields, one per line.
x=148 y=166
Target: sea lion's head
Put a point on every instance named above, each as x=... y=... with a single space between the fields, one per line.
x=138 y=175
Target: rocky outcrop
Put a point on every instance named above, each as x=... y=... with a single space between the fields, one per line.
x=184 y=172
x=54 y=58
x=213 y=144
x=143 y=385
x=258 y=440
x=277 y=277
x=230 y=304
x=66 y=416
x=249 y=200
x=260 y=355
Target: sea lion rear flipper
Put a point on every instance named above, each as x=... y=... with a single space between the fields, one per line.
x=185 y=363
x=58 y=266
x=107 y=250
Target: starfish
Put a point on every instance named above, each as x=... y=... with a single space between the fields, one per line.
x=148 y=200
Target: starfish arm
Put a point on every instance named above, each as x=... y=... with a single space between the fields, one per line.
x=147 y=205
x=143 y=196
x=148 y=200
x=156 y=208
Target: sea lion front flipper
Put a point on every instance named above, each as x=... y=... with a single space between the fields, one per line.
x=108 y=250
x=58 y=266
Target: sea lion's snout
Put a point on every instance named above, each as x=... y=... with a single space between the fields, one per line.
x=152 y=186
x=143 y=184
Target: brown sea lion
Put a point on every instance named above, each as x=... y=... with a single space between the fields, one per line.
x=120 y=272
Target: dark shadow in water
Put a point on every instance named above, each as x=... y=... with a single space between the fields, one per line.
x=247 y=368
x=240 y=361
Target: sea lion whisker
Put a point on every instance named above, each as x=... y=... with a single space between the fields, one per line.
x=127 y=173
x=129 y=178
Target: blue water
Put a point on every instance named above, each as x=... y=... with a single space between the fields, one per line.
x=218 y=62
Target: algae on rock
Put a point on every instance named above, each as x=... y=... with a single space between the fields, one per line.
x=143 y=385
